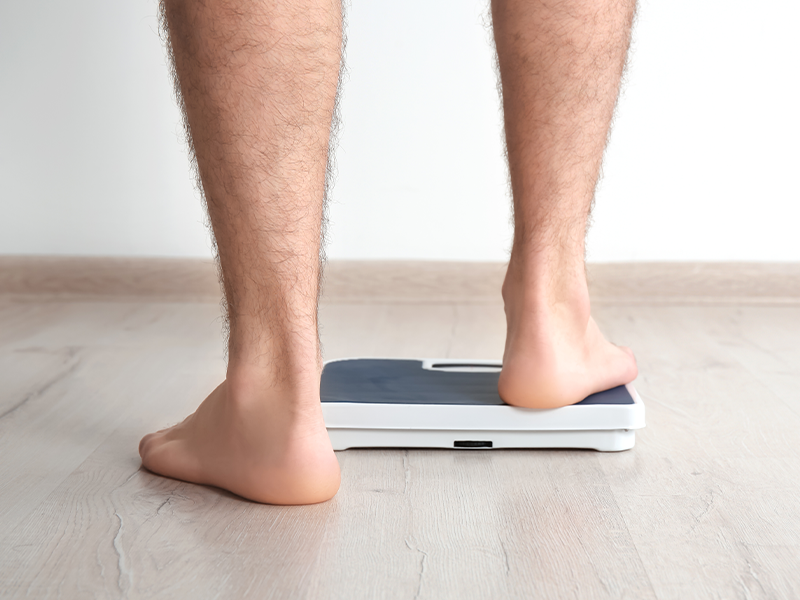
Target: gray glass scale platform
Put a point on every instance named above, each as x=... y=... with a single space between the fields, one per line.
x=447 y=403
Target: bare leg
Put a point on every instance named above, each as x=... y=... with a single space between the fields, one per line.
x=560 y=64
x=259 y=80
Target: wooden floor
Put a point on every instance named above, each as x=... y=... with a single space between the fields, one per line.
x=707 y=504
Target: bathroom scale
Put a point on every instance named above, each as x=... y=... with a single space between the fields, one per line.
x=447 y=403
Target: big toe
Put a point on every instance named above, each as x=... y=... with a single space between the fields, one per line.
x=145 y=443
x=171 y=458
x=155 y=454
x=151 y=444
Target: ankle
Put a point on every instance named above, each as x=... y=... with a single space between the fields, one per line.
x=538 y=279
x=285 y=358
x=248 y=385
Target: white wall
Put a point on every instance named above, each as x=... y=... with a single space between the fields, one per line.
x=703 y=163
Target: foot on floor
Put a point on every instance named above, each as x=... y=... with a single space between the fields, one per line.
x=248 y=439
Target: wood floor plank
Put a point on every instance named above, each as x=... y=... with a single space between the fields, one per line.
x=20 y=320
x=479 y=332
x=131 y=324
x=66 y=386
x=766 y=342
x=60 y=425
x=567 y=533
x=418 y=330
x=715 y=474
x=522 y=524
x=56 y=426
x=406 y=524
x=445 y=543
x=366 y=553
x=483 y=525
x=350 y=330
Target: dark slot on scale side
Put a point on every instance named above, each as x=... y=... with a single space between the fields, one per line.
x=472 y=444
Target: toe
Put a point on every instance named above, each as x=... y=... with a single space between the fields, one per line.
x=172 y=459
x=151 y=442
x=152 y=453
x=144 y=443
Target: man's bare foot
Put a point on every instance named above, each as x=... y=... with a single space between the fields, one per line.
x=250 y=439
x=555 y=354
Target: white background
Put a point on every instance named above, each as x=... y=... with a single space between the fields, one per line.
x=703 y=162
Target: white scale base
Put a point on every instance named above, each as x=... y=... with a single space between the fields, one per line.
x=380 y=417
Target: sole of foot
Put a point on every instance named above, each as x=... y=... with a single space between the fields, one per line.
x=257 y=444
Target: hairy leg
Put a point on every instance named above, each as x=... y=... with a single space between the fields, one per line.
x=560 y=64
x=258 y=80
